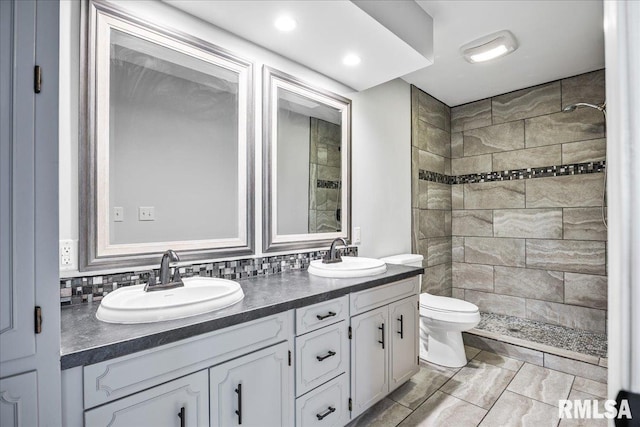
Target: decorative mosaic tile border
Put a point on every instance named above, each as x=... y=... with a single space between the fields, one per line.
x=78 y=290
x=509 y=175
x=328 y=184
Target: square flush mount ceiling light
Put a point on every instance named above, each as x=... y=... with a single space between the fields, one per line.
x=489 y=47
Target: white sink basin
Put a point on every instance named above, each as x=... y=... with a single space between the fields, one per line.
x=349 y=267
x=199 y=295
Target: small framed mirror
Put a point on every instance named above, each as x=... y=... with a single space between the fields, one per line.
x=167 y=158
x=306 y=169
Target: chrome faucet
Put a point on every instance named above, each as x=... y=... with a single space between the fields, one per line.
x=165 y=272
x=333 y=254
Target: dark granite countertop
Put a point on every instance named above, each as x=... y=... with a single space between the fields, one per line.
x=86 y=340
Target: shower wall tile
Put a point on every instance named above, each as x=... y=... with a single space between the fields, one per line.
x=585 y=290
x=588 y=87
x=457 y=249
x=438 y=141
x=472 y=276
x=495 y=195
x=566 y=255
x=571 y=316
x=470 y=116
x=432 y=223
x=415 y=228
x=529 y=283
x=469 y=165
x=557 y=128
x=495 y=251
x=439 y=196
x=438 y=251
x=433 y=111
x=457 y=197
x=529 y=223
x=472 y=223
x=437 y=280
x=593 y=150
x=527 y=158
x=565 y=191
x=415 y=182
x=492 y=139
x=423 y=194
x=457 y=145
x=496 y=303
x=457 y=293
x=431 y=162
x=584 y=224
x=525 y=103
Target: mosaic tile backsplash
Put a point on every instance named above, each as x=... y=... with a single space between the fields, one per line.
x=80 y=290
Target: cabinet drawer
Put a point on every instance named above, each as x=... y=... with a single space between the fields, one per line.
x=320 y=356
x=376 y=297
x=326 y=406
x=321 y=314
x=159 y=406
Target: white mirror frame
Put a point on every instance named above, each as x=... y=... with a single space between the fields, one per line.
x=96 y=251
x=272 y=241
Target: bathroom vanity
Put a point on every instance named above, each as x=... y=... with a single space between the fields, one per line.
x=298 y=350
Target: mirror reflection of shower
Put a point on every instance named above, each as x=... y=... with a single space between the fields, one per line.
x=602 y=108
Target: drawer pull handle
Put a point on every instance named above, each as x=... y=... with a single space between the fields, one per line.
x=330 y=411
x=239 y=411
x=401 y=331
x=321 y=358
x=329 y=314
x=183 y=417
x=382 y=329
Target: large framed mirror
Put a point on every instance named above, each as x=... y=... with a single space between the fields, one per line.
x=306 y=164
x=167 y=155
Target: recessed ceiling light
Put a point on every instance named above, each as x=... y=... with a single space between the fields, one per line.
x=285 y=23
x=489 y=47
x=351 y=60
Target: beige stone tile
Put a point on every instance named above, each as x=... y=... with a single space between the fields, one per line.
x=433 y=139
x=585 y=290
x=571 y=316
x=525 y=103
x=476 y=376
x=432 y=223
x=442 y=409
x=438 y=251
x=457 y=293
x=470 y=116
x=430 y=162
x=472 y=222
x=492 y=139
x=457 y=249
x=422 y=385
x=383 y=414
x=433 y=111
x=528 y=223
x=423 y=194
x=499 y=360
x=585 y=422
x=437 y=279
x=587 y=87
x=471 y=352
x=574 y=367
x=586 y=385
x=604 y=362
x=495 y=195
x=495 y=303
x=415 y=228
x=472 y=276
x=415 y=170
x=495 y=251
x=439 y=196
x=457 y=196
x=577 y=256
x=557 y=128
x=565 y=191
x=584 y=224
x=473 y=164
x=515 y=410
x=593 y=150
x=457 y=145
x=529 y=283
x=515 y=351
x=542 y=384
x=528 y=158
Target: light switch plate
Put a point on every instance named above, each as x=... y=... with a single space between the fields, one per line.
x=118 y=214
x=356 y=236
x=146 y=213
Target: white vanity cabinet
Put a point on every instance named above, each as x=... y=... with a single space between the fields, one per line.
x=183 y=402
x=384 y=343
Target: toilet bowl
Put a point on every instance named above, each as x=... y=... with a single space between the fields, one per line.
x=442 y=321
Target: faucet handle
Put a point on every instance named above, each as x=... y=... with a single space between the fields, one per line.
x=176 y=275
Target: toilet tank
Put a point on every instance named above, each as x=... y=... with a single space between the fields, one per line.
x=413 y=260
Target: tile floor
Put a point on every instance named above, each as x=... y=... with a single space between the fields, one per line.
x=490 y=391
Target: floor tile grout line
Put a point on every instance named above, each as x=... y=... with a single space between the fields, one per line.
x=505 y=388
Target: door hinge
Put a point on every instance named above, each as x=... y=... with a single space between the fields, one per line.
x=350 y=404
x=418 y=305
x=289 y=357
x=37 y=79
x=38 y=319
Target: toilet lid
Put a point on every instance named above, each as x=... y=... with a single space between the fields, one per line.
x=433 y=302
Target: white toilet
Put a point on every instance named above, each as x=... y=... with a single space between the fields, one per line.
x=442 y=321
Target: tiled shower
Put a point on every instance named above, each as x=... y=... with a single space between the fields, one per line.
x=507 y=196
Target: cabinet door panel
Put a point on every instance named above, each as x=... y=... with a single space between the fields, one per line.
x=263 y=398
x=18 y=401
x=325 y=406
x=159 y=406
x=403 y=331
x=369 y=369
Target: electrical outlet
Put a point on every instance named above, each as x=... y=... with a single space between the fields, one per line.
x=146 y=213
x=118 y=214
x=68 y=254
x=356 y=235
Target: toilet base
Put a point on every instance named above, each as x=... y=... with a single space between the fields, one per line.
x=442 y=347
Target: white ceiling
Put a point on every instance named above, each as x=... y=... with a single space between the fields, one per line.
x=557 y=39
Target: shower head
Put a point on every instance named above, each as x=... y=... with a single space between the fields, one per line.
x=571 y=107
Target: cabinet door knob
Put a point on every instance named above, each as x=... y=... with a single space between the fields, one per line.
x=382 y=329
x=329 y=354
x=239 y=411
x=183 y=417
x=329 y=411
